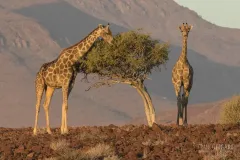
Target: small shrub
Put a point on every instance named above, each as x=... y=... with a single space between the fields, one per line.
x=71 y=154
x=230 y=113
x=59 y=145
x=100 y=150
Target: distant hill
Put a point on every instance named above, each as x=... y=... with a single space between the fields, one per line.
x=33 y=32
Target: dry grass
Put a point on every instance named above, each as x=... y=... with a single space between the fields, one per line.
x=157 y=141
x=230 y=113
x=86 y=136
x=70 y=154
x=102 y=151
x=59 y=145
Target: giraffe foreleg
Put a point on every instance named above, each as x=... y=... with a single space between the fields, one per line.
x=49 y=93
x=65 y=103
x=177 y=88
x=65 y=91
x=39 y=87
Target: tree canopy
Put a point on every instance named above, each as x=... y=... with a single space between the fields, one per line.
x=132 y=56
x=130 y=59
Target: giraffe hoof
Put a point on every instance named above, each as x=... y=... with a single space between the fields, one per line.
x=64 y=133
x=62 y=130
x=49 y=132
x=34 y=132
x=185 y=124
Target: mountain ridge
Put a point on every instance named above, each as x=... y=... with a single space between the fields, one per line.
x=168 y=14
x=48 y=27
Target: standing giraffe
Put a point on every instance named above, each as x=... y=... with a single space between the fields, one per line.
x=61 y=73
x=182 y=76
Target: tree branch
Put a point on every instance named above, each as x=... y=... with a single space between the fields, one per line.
x=85 y=78
x=109 y=82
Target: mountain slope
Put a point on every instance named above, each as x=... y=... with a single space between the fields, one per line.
x=209 y=76
x=34 y=32
x=161 y=18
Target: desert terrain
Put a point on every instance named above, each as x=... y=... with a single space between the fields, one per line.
x=33 y=32
x=128 y=142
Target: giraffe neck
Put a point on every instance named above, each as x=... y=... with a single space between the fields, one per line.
x=81 y=48
x=87 y=43
x=184 y=49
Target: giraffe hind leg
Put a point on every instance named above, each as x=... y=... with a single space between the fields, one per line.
x=185 y=96
x=49 y=93
x=180 y=109
x=185 y=103
x=39 y=88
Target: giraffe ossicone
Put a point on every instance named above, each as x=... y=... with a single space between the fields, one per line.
x=61 y=73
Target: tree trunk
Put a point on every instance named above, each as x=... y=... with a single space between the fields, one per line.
x=146 y=106
x=149 y=108
x=142 y=90
x=152 y=109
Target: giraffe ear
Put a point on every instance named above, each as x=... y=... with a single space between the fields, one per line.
x=191 y=27
x=100 y=26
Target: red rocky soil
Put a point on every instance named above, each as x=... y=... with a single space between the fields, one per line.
x=130 y=142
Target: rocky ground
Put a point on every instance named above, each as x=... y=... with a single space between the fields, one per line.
x=123 y=142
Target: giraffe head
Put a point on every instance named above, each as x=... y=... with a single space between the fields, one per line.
x=185 y=29
x=105 y=33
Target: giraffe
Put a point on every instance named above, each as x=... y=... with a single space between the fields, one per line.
x=61 y=73
x=182 y=76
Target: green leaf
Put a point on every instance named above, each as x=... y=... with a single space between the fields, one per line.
x=132 y=55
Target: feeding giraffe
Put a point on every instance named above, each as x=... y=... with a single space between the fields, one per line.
x=61 y=73
x=182 y=76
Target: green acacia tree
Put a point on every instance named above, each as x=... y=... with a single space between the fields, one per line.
x=130 y=60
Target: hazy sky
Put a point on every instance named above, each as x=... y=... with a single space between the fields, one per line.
x=224 y=13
